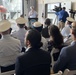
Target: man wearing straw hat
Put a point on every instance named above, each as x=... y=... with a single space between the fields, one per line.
x=38 y=26
x=20 y=34
x=66 y=30
x=9 y=47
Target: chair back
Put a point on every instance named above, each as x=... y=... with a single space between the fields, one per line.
x=66 y=72
x=8 y=70
x=73 y=72
x=69 y=72
x=7 y=73
x=59 y=73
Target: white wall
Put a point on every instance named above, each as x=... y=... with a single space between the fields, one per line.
x=51 y=1
x=40 y=11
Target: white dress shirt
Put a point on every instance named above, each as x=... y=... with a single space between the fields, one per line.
x=65 y=31
x=20 y=34
x=33 y=14
x=45 y=44
x=9 y=50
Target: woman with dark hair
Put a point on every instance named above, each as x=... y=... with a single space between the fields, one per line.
x=35 y=61
x=56 y=42
x=45 y=33
x=57 y=39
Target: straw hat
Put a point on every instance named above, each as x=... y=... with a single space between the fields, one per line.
x=4 y=25
x=70 y=19
x=20 y=20
x=37 y=24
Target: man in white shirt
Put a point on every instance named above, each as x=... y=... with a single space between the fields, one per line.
x=32 y=13
x=66 y=30
x=20 y=34
x=9 y=46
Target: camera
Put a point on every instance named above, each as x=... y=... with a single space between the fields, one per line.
x=73 y=12
x=57 y=9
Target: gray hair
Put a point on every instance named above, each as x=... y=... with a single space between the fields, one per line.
x=32 y=7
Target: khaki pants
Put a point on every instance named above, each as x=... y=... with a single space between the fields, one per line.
x=61 y=25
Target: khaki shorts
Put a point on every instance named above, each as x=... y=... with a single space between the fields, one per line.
x=61 y=25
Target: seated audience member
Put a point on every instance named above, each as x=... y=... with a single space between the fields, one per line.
x=35 y=61
x=66 y=30
x=55 y=43
x=45 y=33
x=67 y=55
x=38 y=26
x=9 y=47
x=20 y=34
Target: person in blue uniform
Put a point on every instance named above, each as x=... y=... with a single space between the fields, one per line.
x=62 y=15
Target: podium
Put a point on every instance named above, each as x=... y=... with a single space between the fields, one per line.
x=31 y=21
